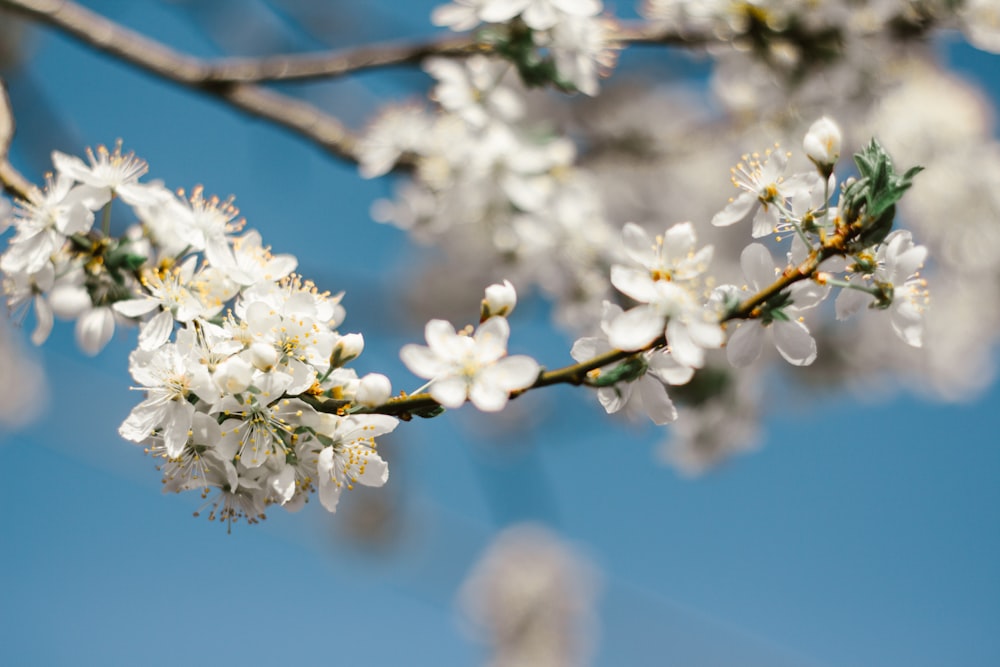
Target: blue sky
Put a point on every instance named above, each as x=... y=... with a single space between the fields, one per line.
x=873 y=542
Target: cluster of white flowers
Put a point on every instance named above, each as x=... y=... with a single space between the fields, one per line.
x=234 y=350
x=681 y=315
x=492 y=188
x=571 y=31
x=247 y=391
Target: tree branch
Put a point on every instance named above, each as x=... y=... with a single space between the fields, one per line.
x=11 y=180
x=128 y=46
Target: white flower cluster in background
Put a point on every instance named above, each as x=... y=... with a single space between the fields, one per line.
x=531 y=597
x=572 y=32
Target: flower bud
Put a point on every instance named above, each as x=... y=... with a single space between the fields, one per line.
x=348 y=347
x=499 y=302
x=233 y=375
x=94 y=329
x=373 y=389
x=263 y=356
x=822 y=144
x=69 y=301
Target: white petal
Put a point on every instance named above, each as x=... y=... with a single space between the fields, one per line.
x=682 y=346
x=421 y=361
x=614 y=398
x=450 y=392
x=679 y=242
x=655 y=401
x=808 y=294
x=43 y=320
x=177 y=424
x=757 y=265
x=329 y=489
x=491 y=339
x=488 y=397
x=745 y=344
x=794 y=342
x=283 y=484
x=739 y=210
x=374 y=471
x=512 y=373
x=440 y=336
x=157 y=331
x=634 y=282
x=850 y=301
x=136 y=307
x=638 y=246
x=636 y=328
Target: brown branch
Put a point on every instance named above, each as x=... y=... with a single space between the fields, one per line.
x=128 y=46
x=332 y=64
x=11 y=180
x=104 y=35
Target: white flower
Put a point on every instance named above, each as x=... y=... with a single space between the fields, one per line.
x=351 y=458
x=791 y=337
x=579 y=45
x=24 y=290
x=255 y=263
x=171 y=291
x=201 y=463
x=822 y=143
x=473 y=89
x=108 y=175
x=897 y=264
x=395 y=131
x=43 y=223
x=671 y=256
x=260 y=423
x=168 y=377
x=470 y=367
x=761 y=198
x=646 y=394
x=199 y=224
x=669 y=292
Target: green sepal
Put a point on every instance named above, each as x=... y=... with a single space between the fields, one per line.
x=627 y=371
x=884 y=293
x=428 y=413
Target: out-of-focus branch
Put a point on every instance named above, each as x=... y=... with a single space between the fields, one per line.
x=108 y=37
x=332 y=64
x=11 y=179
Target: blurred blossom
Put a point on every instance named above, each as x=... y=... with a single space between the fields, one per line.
x=532 y=598
x=22 y=382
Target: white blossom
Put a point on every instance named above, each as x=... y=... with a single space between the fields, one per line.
x=784 y=324
x=351 y=458
x=475 y=368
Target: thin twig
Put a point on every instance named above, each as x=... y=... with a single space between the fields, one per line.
x=116 y=40
x=138 y=50
x=11 y=179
